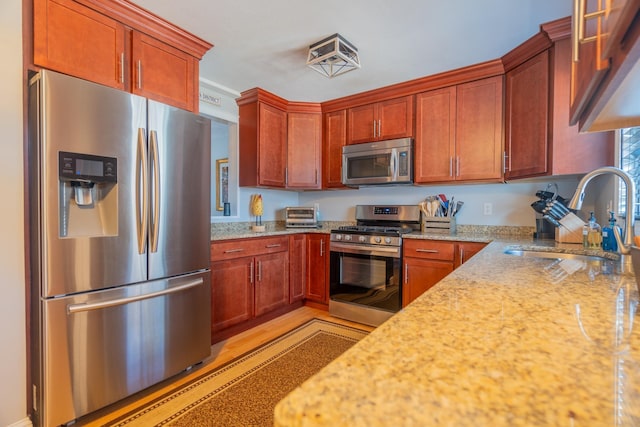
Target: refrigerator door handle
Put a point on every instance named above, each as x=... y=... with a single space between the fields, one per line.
x=142 y=192
x=76 y=308
x=155 y=165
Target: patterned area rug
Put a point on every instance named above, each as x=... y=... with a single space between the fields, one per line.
x=245 y=391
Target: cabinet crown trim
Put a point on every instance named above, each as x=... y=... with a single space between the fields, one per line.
x=448 y=78
x=146 y=22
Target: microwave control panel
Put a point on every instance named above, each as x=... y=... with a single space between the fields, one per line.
x=403 y=163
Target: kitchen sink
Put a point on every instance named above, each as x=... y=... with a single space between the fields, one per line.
x=555 y=255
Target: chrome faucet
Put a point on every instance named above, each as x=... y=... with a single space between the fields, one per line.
x=576 y=203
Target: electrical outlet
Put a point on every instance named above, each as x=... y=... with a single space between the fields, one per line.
x=488 y=208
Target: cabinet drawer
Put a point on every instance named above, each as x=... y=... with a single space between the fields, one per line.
x=229 y=249
x=429 y=249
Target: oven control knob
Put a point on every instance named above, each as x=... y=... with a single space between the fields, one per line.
x=347 y=237
x=387 y=240
x=338 y=236
x=378 y=239
x=362 y=239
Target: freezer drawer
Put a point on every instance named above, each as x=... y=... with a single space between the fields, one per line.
x=100 y=347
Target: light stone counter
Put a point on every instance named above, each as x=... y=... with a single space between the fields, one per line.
x=502 y=341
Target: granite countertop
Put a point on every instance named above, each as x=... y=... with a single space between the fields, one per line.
x=504 y=340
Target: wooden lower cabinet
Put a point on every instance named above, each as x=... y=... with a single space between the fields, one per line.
x=426 y=262
x=249 y=279
x=420 y=275
x=271 y=282
x=231 y=292
x=317 y=268
x=465 y=250
x=297 y=267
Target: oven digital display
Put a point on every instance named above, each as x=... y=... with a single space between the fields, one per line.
x=385 y=210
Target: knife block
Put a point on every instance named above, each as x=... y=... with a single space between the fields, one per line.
x=571 y=229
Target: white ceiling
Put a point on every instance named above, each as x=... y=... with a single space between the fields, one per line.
x=263 y=43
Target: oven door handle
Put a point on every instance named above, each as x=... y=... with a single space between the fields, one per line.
x=393 y=252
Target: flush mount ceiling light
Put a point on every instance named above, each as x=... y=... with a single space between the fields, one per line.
x=333 y=56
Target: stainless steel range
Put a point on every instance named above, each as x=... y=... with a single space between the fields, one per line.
x=365 y=272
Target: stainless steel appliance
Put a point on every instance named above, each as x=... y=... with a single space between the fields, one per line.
x=119 y=244
x=373 y=163
x=365 y=263
x=301 y=217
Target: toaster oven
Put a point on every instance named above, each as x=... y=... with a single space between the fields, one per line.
x=301 y=217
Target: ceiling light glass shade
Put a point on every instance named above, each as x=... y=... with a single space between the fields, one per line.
x=333 y=56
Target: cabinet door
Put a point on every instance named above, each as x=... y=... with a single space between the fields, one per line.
x=335 y=137
x=435 y=135
x=231 y=292
x=465 y=250
x=163 y=73
x=395 y=118
x=362 y=124
x=479 y=130
x=78 y=41
x=317 y=267
x=304 y=138
x=271 y=282
x=588 y=68
x=573 y=152
x=420 y=275
x=272 y=143
x=297 y=267
x=527 y=118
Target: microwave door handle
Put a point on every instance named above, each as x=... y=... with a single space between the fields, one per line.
x=394 y=164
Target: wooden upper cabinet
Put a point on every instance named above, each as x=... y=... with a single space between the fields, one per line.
x=304 y=155
x=75 y=40
x=479 y=128
x=459 y=133
x=604 y=69
x=527 y=118
x=588 y=68
x=335 y=137
x=539 y=139
x=119 y=45
x=382 y=120
x=435 y=144
x=280 y=142
x=573 y=152
x=272 y=146
x=163 y=73
x=262 y=139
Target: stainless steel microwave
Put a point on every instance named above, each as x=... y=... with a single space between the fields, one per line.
x=383 y=162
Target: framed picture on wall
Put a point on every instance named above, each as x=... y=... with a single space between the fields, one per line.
x=222 y=183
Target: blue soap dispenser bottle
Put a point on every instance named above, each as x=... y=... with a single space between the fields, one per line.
x=608 y=238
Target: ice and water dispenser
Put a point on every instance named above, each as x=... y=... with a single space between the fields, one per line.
x=88 y=195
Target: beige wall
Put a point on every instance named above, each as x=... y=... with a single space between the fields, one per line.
x=13 y=406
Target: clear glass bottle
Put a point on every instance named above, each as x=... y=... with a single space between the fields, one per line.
x=595 y=233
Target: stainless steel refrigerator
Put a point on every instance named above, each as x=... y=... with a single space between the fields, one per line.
x=119 y=205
